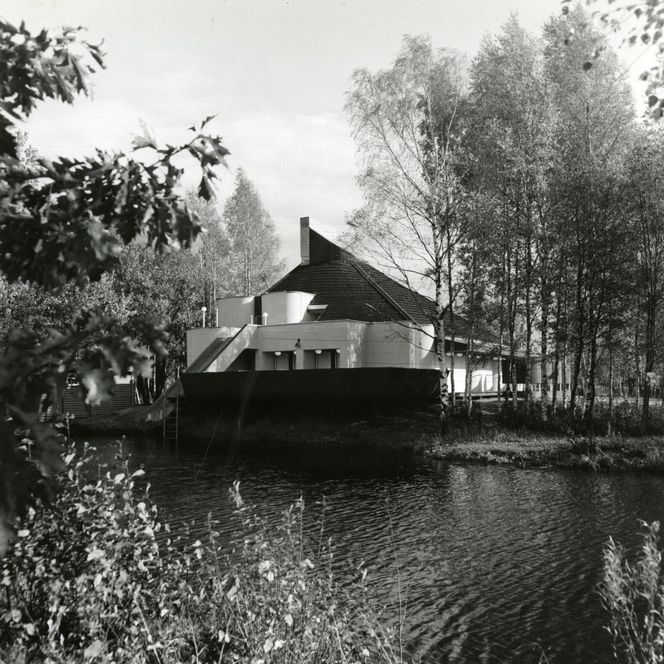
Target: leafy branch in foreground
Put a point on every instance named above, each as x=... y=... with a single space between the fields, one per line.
x=33 y=68
x=67 y=219
x=63 y=222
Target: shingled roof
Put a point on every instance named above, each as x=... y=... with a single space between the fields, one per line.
x=353 y=289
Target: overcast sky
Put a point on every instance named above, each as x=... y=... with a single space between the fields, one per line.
x=274 y=71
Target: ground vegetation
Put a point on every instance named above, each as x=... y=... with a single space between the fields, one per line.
x=127 y=589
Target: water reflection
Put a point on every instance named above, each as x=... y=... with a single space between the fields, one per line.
x=491 y=559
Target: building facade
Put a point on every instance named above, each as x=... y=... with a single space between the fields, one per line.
x=334 y=311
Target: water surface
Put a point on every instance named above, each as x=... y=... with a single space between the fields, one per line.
x=491 y=559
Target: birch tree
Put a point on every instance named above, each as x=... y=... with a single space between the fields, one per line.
x=594 y=122
x=213 y=249
x=646 y=196
x=511 y=140
x=640 y=23
x=407 y=122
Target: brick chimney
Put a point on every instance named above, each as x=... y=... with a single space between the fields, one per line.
x=304 y=240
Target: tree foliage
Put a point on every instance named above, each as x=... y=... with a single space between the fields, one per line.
x=641 y=23
x=253 y=241
x=511 y=125
x=162 y=291
x=407 y=122
x=548 y=206
x=63 y=222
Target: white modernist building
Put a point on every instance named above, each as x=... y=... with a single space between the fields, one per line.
x=334 y=311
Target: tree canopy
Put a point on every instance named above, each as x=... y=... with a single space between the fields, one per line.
x=520 y=186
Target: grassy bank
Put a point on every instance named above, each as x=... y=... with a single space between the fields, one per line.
x=485 y=439
x=198 y=426
x=534 y=450
x=467 y=442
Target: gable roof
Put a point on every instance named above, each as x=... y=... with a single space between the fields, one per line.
x=353 y=289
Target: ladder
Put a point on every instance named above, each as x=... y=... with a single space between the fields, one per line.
x=171 y=420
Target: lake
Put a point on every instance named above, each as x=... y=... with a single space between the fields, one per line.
x=492 y=559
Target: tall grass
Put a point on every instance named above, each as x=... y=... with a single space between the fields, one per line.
x=633 y=593
x=97 y=577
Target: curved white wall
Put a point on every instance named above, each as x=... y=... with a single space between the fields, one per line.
x=286 y=306
x=235 y=311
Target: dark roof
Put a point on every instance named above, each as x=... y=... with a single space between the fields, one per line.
x=353 y=289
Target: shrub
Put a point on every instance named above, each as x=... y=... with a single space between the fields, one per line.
x=583 y=445
x=625 y=419
x=97 y=577
x=633 y=593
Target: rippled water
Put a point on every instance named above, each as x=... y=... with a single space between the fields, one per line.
x=492 y=559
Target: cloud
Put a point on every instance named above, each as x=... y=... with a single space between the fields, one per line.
x=302 y=165
x=56 y=128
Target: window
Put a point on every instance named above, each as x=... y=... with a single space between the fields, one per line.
x=321 y=358
x=284 y=360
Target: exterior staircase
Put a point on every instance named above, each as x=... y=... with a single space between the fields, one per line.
x=171 y=422
x=167 y=406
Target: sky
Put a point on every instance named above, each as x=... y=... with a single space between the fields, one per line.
x=274 y=72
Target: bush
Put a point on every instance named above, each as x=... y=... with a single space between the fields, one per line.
x=581 y=445
x=96 y=577
x=626 y=420
x=633 y=593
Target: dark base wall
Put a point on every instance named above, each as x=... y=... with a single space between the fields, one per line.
x=316 y=390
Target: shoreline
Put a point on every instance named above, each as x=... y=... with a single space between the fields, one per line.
x=533 y=450
x=476 y=443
